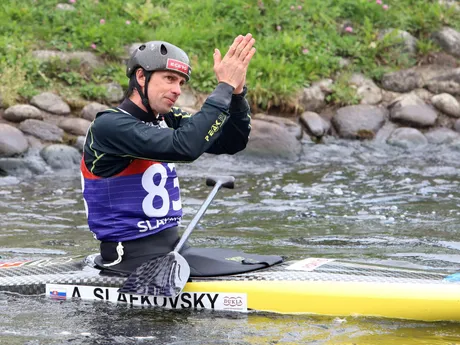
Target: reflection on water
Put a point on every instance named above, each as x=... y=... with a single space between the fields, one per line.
x=76 y=322
x=352 y=201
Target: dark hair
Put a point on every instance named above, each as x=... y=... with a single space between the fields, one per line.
x=132 y=82
x=131 y=86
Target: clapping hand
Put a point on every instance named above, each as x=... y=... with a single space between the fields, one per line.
x=232 y=68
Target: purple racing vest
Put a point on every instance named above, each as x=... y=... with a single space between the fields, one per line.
x=140 y=201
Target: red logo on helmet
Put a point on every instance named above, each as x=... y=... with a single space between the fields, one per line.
x=178 y=66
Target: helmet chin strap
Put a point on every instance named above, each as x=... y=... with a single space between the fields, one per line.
x=144 y=96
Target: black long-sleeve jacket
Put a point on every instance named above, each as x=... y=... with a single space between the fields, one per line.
x=119 y=135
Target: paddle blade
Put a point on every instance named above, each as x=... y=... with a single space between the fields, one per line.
x=164 y=276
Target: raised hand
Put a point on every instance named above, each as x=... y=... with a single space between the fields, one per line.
x=239 y=89
x=231 y=69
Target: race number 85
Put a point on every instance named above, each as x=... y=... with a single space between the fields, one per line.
x=159 y=191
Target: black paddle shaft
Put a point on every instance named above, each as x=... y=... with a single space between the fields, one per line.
x=217 y=182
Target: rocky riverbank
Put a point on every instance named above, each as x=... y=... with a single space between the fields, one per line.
x=410 y=108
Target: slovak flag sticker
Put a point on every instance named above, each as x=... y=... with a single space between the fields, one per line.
x=58 y=293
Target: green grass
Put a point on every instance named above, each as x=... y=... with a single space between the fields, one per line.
x=294 y=46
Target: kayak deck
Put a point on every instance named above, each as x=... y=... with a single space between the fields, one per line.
x=311 y=286
x=28 y=278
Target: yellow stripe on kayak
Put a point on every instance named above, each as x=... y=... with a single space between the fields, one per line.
x=415 y=301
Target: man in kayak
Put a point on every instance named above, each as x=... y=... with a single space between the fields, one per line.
x=129 y=181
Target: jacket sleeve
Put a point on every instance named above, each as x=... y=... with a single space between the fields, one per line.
x=235 y=134
x=122 y=134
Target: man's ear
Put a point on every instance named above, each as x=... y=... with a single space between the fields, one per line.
x=140 y=76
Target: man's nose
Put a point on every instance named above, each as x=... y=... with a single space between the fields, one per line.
x=177 y=89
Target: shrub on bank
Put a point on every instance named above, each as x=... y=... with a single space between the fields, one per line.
x=297 y=41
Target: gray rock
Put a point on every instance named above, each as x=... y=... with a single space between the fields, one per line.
x=90 y=110
x=36 y=164
x=448 y=82
x=441 y=59
x=315 y=124
x=306 y=140
x=313 y=99
x=444 y=121
x=385 y=132
x=271 y=140
x=437 y=72
x=86 y=59
x=408 y=138
x=407 y=99
x=1 y=100
x=12 y=141
x=75 y=125
x=186 y=99
x=442 y=136
x=114 y=93
x=292 y=127
x=326 y=85
x=42 y=130
x=54 y=119
x=450 y=87
x=408 y=42
x=418 y=77
x=410 y=109
x=423 y=94
x=80 y=143
x=23 y=166
x=14 y=166
x=21 y=112
x=389 y=97
x=415 y=115
x=366 y=90
x=51 y=103
x=59 y=156
x=359 y=121
x=35 y=144
x=402 y=81
x=449 y=40
x=457 y=125
x=447 y=104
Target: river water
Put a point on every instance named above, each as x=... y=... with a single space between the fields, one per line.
x=357 y=201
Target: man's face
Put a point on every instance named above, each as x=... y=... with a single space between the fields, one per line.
x=164 y=90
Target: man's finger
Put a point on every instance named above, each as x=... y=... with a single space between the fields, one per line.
x=243 y=44
x=247 y=48
x=232 y=49
x=217 y=57
x=249 y=56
